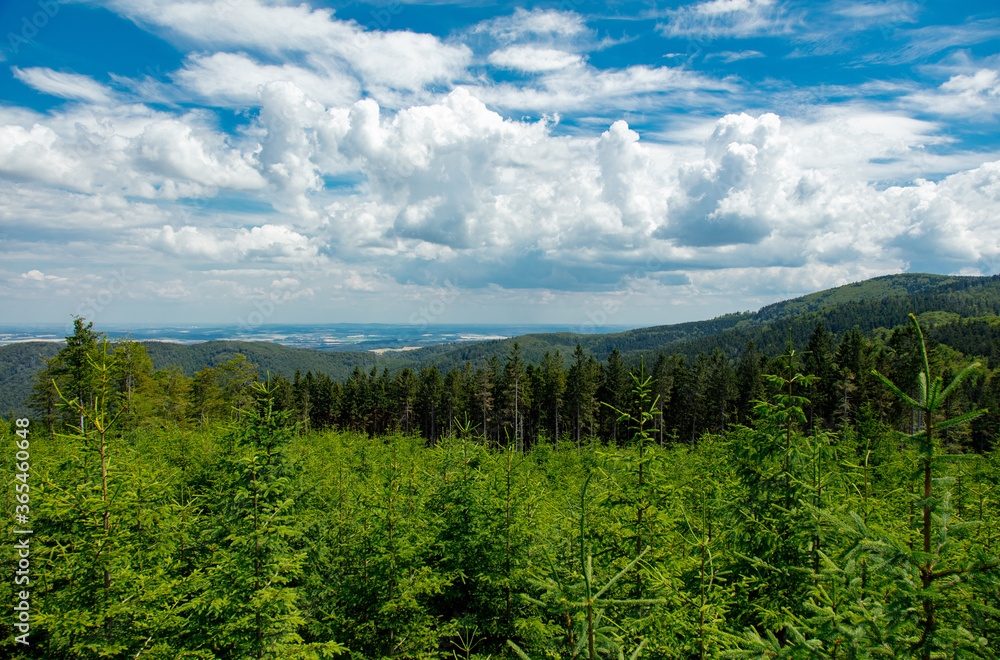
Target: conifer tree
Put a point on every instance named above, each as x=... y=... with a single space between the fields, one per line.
x=248 y=605
x=748 y=382
x=582 y=383
x=823 y=393
x=553 y=392
x=515 y=394
x=614 y=393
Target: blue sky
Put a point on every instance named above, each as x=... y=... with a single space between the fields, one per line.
x=628 y=163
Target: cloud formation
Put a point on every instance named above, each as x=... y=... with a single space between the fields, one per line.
x=542 y=159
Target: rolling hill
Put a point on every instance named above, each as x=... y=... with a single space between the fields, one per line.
x=881 y=302
x=877 y=304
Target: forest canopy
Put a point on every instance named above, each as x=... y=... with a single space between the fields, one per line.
x=834 y=500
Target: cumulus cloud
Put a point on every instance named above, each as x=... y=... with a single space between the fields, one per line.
x=973 y=95
x=134 y=151
x=174 y=150
x=395 y=159
x=627 y=181
x=382 y=60
x=454 y=187
x=235 y=79
x=447 y=167
x=950 y=224
x=726 y=199
x=37 y=276
x=265 y=242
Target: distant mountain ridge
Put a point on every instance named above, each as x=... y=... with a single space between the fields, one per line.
x=881 y=302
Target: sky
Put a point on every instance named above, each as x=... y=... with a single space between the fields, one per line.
x=260 y=162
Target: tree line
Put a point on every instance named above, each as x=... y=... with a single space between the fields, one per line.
x=513 y=401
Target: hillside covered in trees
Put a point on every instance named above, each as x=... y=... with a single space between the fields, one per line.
x=873 y=307
x=834 y=498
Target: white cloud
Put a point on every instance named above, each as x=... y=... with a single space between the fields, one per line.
x=526 y=58
x=408 y=61
x=727 y=198
x=951 y=224
x=133 y=151
x=581 y=88
x=890 y=11
x=534 y=24
x=384 y=152
x=173 y=149
x=37 y=276
x=264 y=242
x=627 y=181
x=64 y=85
x=923 y=42
x=975 y=95
x=877 y=146
x=728 y=18
x=728 y=56
x=235 y=79
x=382 y=60
x=32 y=153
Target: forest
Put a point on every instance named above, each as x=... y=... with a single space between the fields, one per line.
x=834 y=500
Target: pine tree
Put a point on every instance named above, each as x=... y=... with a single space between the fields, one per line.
x=405 y=395
x=429 y=402
x=515 y=394
x=614 y=393
x=553 y=392
x=823 y=393
x=581 y=393
x=248 y=605
x=719 y=391
x=748 y=382
x=931 y=565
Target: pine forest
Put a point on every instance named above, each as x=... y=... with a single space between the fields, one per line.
x=832 y=500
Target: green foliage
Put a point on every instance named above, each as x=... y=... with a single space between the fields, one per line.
x=224 y=517
x=588 y=631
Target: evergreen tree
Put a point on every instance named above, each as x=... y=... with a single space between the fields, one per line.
x=248 y=605
x=429 y=402
x=581 y=393
x=405 y=389
x=301 y=399
x=71 y=372
x=552 y=392
x=719 y=391
x=680 y=418
x=749 y=376
x=614 y=393
x=514 y=395
x=818 y=362
x=484 y=383
x=663 y=382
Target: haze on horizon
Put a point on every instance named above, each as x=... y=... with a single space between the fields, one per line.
x=624 y=163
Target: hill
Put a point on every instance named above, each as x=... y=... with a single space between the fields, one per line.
x=881 y=302
x=873 y=305
x=268 y=357
x=20 y=362
x=18 y=365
